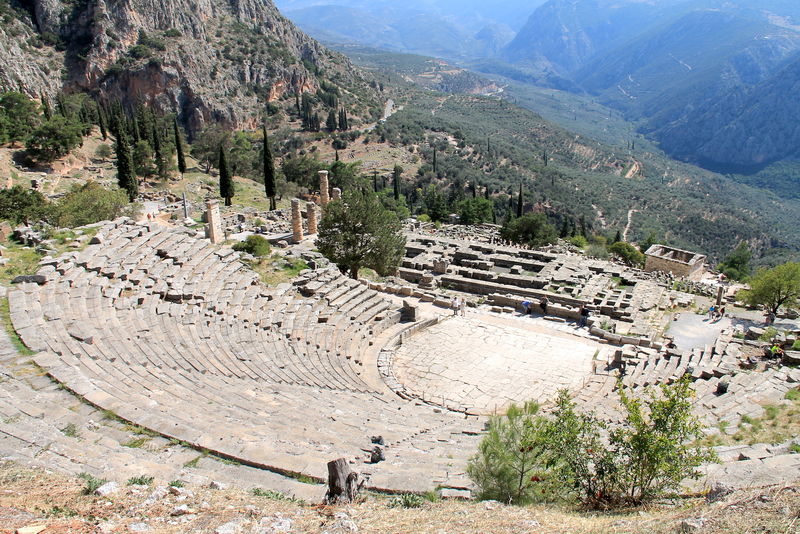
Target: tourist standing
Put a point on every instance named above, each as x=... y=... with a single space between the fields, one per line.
x=584 y=320
x=454 y=305
x=543 y=305
x=463 y=306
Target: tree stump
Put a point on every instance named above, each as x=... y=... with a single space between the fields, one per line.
x=343 y=484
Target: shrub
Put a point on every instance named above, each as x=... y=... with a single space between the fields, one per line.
x=597 y=251
x=576 y=455
x=424 y=218
x=579 y=241
x=103 y=151
x=89 y=203
x=255 y=245
x=407 y=500
x=768 y=334
x=141 y=480
x=92 y=483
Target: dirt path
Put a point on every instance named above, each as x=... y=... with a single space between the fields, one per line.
x=634 y=170
x=628 y=226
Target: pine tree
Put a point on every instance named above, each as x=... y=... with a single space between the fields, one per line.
x=398 y=171
x=269 y=172
x=226 y=187
x=161 y=161
x=519 y=202
x=330 y=122
x=125 y=176
x=179 y=148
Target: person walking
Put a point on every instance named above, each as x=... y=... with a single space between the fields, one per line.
x=454 y=305
x=462 y=306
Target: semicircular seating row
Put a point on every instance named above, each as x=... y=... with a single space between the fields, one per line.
x=180 y=337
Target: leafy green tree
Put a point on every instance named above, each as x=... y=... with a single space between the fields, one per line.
x=126 y=177
x=649 y=242
x=357 y=231
x=90 y=203
x=399 y=206
x=627 y=253
x=346 y=175
x=475 y=211
x=737 y=265
x=22 y=205
x=512 y=463
x=531 y=229
x=435 y=204
x=205 y=147
x=54 y=139
x=269 y=172
x=21 y=115
x=302 y=170
x=773 y=288
x=656 y=443
x=179 y=148
x=226 y=186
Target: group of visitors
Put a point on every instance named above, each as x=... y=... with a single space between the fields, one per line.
x=715 y=313
x=459 y=305
x=584 y=312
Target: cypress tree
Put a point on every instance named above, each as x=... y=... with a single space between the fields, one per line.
x=618 y=237
x=583 y=226
x=544 y=157
x=101 y=121
x=269 y=172
x=474 y=188
x=398 y=170
x=125 y=175
x=161 y=161
x=519 y=202
x=375 y=181
x=135 y=130
x=434 y=160
x=226 y=187
x=330 y=122
x=564 y=229
x=179 y=148
x=487 y=193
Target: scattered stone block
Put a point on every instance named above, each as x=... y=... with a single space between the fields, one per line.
x=109 y=488
x=454 y=493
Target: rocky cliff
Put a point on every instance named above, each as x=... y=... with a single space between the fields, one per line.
x=207 y=60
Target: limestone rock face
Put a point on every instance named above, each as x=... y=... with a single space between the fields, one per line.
x=203 y=59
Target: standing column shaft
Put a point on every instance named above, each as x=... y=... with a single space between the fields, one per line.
x=297 y=221
x=311 y=210
x=324 y=196
x=214 y=228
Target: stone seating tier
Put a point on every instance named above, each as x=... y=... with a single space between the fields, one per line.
x=180 y=337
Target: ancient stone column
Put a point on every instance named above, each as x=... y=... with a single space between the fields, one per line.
x=185 y=207
x=337 y=193
x=324 y=197
x=311 y=210
x=297 y=221
x=720 y=294
x=214 y=224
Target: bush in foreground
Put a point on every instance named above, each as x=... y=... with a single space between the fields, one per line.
x=254 y=245
x=527 y=457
